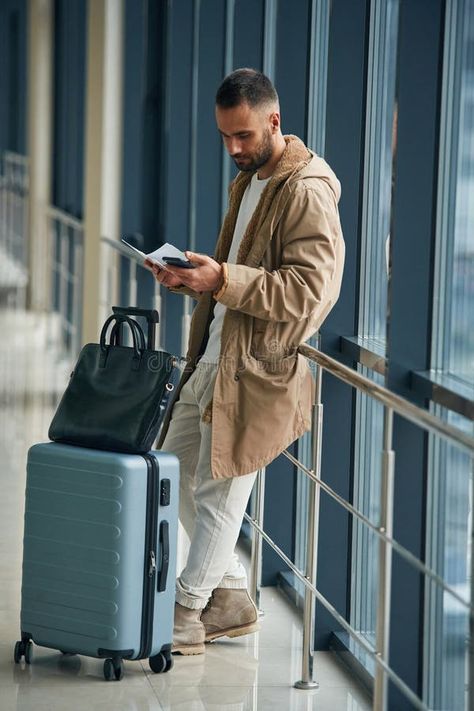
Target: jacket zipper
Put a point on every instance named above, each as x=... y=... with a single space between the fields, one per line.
x=149 y=567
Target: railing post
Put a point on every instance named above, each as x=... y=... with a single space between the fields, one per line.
x=385 y=562
x=256 y=552
x=76 y=297
x=307 y=681
x=63 y=290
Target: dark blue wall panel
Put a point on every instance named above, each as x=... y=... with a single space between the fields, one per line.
x=291 y=64
x=69 y=105
x=133 y=100
x=345 y=120
x=13 y=75
x=134 y=144
x=177 y=135
x=280 y=493
x=209 y=144
x=413 y=233
x=248 y=34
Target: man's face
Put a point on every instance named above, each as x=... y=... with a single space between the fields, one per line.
x=247 y=134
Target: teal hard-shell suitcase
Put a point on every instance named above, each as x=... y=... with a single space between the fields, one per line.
x=99 y=555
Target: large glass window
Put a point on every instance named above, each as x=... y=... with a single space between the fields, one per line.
x=380 y=144
x=367 y=481
x=453 y=318
x=378 y=159
x=448 y=553
x=450 y=481
x=315 y=135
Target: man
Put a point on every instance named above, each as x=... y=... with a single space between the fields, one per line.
x=246 y=393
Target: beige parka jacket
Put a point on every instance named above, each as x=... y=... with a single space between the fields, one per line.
x=286 y=280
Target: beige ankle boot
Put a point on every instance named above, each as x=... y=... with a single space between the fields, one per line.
x=188 y=633
x=229 y=613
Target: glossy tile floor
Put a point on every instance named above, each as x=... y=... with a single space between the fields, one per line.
x=252 y=673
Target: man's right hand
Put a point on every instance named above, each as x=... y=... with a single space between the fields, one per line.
x=163 y=276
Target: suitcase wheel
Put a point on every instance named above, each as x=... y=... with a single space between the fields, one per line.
x=23 y=648
x=113 y=669
x=160 y=663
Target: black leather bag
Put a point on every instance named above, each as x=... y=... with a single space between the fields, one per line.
x=117 y=395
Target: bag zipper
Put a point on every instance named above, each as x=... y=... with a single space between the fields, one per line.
x=149 y=567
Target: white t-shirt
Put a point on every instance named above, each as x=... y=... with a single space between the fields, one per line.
x=247 y=207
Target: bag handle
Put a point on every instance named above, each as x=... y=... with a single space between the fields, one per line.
x=137 y=335
x=115 y=335
x=151 y=316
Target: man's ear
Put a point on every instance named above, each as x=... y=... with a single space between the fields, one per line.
x=275 y=122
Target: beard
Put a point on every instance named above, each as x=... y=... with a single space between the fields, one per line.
x=261 y=155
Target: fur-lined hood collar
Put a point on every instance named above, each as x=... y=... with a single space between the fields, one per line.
x=297 y=162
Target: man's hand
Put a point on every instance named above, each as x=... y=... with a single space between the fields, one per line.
x=163 y=276
x=206 y=276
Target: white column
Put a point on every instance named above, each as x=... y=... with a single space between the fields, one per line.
x=39 y=128
x=102 y=189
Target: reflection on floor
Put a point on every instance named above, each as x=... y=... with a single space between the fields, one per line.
x=252 y=673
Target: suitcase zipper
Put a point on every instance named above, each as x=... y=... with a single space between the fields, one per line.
x=149 y=572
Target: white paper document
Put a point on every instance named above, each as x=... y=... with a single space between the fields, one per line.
x=166 y=250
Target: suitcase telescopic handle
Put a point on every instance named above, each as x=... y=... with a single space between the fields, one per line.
x=151 y=316
x=165 y=556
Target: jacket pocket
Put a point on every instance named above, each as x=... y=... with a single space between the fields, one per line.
x=267 y=345
x=263 y=338
x=284 y=367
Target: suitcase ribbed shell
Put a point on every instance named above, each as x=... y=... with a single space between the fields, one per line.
x=84 y=549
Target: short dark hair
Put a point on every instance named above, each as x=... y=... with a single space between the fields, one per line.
x=246 y=86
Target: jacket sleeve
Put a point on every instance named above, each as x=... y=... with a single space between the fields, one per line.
x=310 y=229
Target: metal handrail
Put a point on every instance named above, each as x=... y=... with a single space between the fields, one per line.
x=398 y=404
x=392 y=404
x=65 y=218
x=17 y=158
x=401 y=550
x=332 y=610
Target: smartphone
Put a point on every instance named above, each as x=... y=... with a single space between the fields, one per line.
x=177 y=262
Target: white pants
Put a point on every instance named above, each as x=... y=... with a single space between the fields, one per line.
x=210 y=510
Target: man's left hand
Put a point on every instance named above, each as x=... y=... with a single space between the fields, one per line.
x=206 y=276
